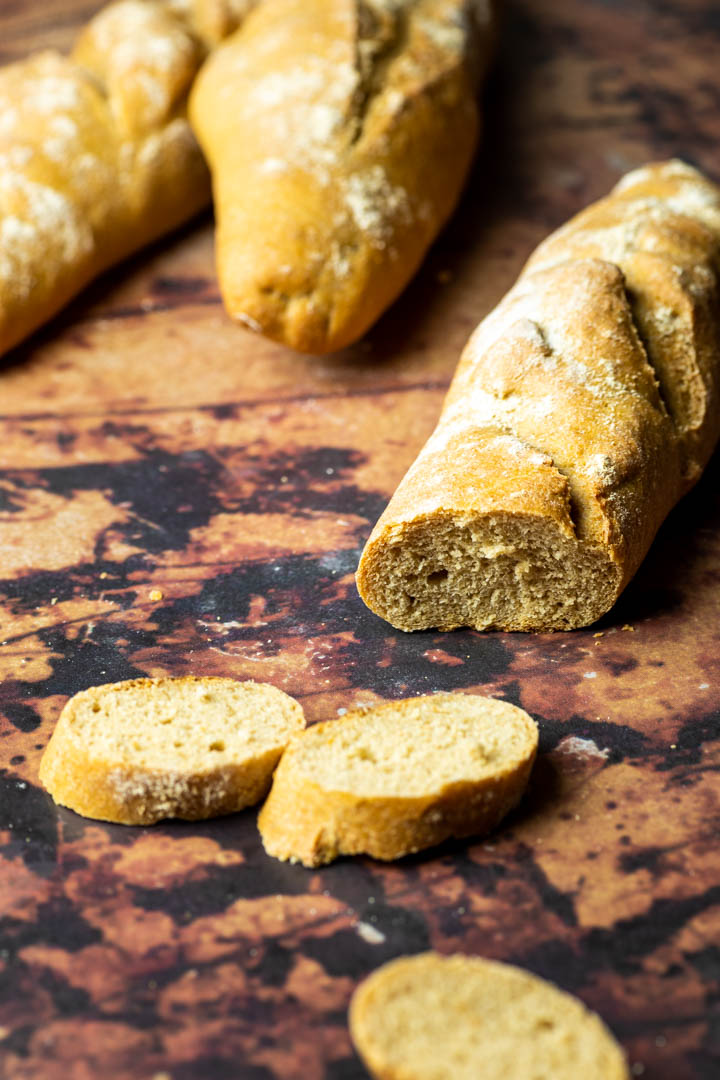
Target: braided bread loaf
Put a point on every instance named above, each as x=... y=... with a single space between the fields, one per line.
x=583 y=407
x=96 y=155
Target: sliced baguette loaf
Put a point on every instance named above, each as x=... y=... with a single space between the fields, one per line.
x=339 y=135
x=583 y=407
x=138 y=751
x=431 y=1017
x=398 y=778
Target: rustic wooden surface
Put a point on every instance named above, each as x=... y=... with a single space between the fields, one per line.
x=149 y=444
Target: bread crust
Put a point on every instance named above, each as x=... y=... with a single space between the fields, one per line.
x=504 y=1019
x=125 y=791
x=583 y=406
x=97 y=158
x=305 y=821
x=324 y=125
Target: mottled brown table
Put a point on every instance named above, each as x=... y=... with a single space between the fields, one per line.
x=147 y=444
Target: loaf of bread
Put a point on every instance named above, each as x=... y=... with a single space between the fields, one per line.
x=339 y=134
x=398 y=778
x=583 y=407
x=432 y=1017
x=96 y=155
x=139 y=751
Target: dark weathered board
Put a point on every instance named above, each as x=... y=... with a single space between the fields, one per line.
x=148 y=444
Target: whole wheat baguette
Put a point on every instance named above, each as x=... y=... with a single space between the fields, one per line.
x=432 y=1017
x=339 y=134
x=398 y=778
x=96 y=155
x=583 y=407
x=135 y=752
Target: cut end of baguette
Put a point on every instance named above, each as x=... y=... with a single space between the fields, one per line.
x=398 y=778
x=490 y=571
x=138 y=751
x=430 y=1017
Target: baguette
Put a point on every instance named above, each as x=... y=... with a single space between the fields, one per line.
x=138 y=751
x=339 y=134
x=584 y=406
x=432 y=1017
x=398 y=778
x=96 y=155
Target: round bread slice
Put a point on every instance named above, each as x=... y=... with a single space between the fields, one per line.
x=138 y=751
x=432 y=1017
x=398 y=778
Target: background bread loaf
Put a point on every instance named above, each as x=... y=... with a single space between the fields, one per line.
x=96 y=155
x=339 y=134
x=583 y=407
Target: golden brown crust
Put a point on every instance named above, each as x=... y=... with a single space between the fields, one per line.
x=661 y=226
x=96 y=155
x=600 y=371
x=326 y=175
x=97 y=783
x=306 y=821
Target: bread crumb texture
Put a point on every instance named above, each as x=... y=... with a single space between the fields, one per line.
x=430 y=1017
x=139 y=751
x=584 y=406
x=398 y=778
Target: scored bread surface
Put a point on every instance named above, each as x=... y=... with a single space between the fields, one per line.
x=138 y=751
x=584 y=406
x=431 y=1017
x=97 y=157
x=339 y=134
x=398 y=778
